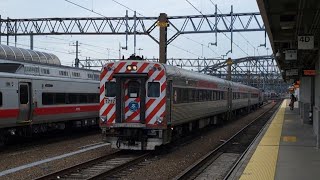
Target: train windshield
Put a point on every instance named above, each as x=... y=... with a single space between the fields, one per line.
x=110 y=89
x=133 y=89
x=153 y=89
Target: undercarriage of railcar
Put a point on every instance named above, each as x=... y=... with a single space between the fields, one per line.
x=124 y=136
x=29 y=129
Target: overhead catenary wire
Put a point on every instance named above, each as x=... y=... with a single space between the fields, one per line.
x=217 y=27
x=86 y=44
x=169 y=30
x=126 y=8
x=233 y=27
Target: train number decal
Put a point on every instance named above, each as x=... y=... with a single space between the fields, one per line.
x=110 y=101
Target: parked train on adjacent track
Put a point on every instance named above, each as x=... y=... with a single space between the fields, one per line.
x=145 y=104
x=37 y=94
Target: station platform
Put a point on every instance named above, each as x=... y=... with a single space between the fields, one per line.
x=286 y=149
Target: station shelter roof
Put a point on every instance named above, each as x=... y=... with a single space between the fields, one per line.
x=20 y=54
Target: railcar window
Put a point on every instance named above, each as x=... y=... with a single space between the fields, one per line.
x=60 y=98
x=218 y=95
x=69 y=98
x=133 y=89
x=47 y=98
x=194 y=95
x=93 y=98
x=83 y=99
x=200 y=95
x=0 y=98
x=110 y=89
x=24 y=94
x=185 y=95
x=214 y=95
x=153 y=89
x=73 y=98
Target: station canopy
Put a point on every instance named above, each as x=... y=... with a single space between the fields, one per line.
x=293 y=27
x=27 y=55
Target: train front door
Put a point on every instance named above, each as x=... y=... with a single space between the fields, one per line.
x=24 y=102
x=130 y=99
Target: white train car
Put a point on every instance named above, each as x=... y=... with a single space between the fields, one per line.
x=38 y=94
x=145 y=104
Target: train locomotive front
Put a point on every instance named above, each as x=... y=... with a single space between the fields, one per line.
x=146 y=104
x=133 y=104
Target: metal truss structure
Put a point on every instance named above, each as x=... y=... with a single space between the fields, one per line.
x=258 y=71
x=212 y=23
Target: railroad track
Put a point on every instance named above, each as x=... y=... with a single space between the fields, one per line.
x=237 y=145
x=100 y=168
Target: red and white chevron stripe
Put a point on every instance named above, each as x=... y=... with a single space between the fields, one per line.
x=155 y=107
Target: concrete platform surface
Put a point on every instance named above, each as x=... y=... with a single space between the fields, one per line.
x=286 y=150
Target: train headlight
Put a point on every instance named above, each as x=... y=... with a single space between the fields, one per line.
x=159 y=120
x=132 y=68
x=103 y=119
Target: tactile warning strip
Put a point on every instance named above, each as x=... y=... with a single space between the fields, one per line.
x=262 y=164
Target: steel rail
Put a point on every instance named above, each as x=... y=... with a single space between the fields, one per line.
x=214 y=154
x=99 y=167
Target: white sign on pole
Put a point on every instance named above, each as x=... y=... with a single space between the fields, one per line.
x=292 y=72
x=305 y=42
x=291 y=55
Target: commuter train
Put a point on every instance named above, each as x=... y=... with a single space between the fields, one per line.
x=37 y=94
x=146 y=104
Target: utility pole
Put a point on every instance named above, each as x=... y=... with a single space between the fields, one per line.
x=76 y=62
x=119 y=50
x=229 y=63
x=31 y=40
x=108 y=53
x=134 y=32
x=163 y=24
x=139 y=49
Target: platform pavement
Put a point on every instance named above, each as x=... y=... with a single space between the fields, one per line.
x=285 y=150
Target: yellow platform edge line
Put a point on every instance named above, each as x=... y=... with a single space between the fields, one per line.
x=262 y=164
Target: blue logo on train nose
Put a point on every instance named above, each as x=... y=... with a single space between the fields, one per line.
x=133 y=106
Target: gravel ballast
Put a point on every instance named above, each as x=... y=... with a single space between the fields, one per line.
x=168 y=166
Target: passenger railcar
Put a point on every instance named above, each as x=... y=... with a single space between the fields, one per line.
x=144 y=104
x=37 y=96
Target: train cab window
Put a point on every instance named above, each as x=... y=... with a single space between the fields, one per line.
x=133 y=89
x=24 y=94
x=153 y=89
x=110 y=89
x=0 y=98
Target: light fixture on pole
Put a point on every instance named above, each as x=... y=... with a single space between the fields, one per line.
x=139 y=49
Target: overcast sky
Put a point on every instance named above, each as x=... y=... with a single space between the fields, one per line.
x=105 y=46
